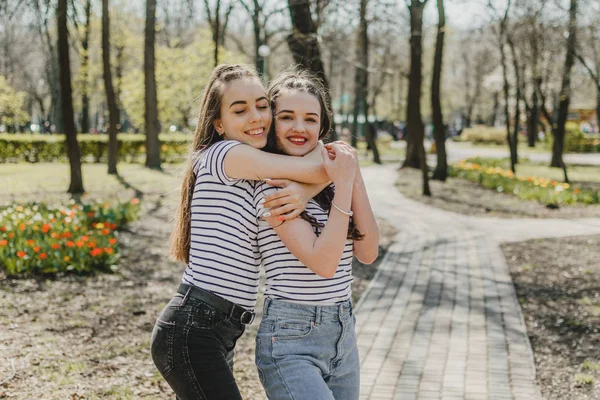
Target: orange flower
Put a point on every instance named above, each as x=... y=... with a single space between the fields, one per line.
x=56 y=246
x=85 y=238
x=66 y=235
x=3 y=242
x=53 y=220
x=79 y=243
x=36 y=249
x=96 y=252
x=30 y=242
x=108 y=250
x=45 y=228
x=135 y=200
x=43 y=256
x=105 y=231
x=54 y=235
x=11 y=235
x=113 y=226
x=3 y=228
x=70 y=244
x=576 y=191
x=22 y=227
x=112 y=241
x=91 y=245
x=21 y=254
x=91 y=214
x=67 y=258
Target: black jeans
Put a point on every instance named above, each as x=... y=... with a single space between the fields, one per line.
x=192 y=347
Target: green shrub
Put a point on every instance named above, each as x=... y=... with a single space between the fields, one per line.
x=94 y=148
x=484 y=135
x=578 y=142
x=45 y=239
x=489 y=174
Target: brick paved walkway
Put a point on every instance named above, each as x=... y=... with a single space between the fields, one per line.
x=441 y=319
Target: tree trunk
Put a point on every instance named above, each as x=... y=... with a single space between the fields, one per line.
x=414 y=121
x=598 y=107
x=514 y=158
x=214 y=22
x=303 y=43
x=151 y=102
x=85 y=100
x=113 y=112
x=533 y=116
x=441 y=169
x=76 y=186
x=506 y=90
x=357 y=103
x=565 y=92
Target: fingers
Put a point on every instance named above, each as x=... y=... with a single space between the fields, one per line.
x=278 y=201
x=291 y=215
x=277 y=182
x=282 y=212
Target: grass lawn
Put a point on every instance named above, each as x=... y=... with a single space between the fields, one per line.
x=51 y=180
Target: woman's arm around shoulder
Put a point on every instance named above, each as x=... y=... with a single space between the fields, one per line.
x=246 y=162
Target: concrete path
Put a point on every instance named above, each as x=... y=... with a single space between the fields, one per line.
x=441 y=319
x=461 y=151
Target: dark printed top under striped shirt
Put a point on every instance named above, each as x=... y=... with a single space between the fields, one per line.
x=224 y=257
x=290 y=280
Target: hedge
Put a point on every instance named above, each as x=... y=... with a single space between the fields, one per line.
x=94 y=147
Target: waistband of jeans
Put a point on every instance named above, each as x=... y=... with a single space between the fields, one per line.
x=235 y=311
x=334 y=312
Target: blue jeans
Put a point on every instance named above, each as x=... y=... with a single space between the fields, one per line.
x=308 y=352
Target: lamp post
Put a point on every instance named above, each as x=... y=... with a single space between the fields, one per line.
x=264 y=51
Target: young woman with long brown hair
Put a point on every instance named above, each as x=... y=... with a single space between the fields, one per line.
x=306 y=344
x=216 y=232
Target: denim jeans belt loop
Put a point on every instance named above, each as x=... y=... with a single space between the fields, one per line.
x=234 y=311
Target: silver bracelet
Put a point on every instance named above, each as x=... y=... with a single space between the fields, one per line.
x=348 y=213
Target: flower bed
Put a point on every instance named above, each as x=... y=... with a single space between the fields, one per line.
x=94 y=147
x=40 y=238
x=489 y=174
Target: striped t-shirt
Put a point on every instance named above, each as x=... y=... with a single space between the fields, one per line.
x=290 y=280
x=224 y=257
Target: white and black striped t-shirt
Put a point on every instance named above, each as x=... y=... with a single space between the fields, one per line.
x=290 y=280
x=224 y=257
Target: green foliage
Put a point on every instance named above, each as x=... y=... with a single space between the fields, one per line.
x=46 y=239
x=482 y=134
x=578 y=142
x=181 y=74
x=488 y=173
x=94 y=148
x=11 y=105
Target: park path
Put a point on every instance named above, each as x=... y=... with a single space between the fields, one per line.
x=460 y=151
x=441 y=319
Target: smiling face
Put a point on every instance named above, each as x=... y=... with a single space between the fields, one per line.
x=297 y=122
x=245 y=113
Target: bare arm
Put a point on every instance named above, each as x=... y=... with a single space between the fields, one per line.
x=366 y=250
x=322 y=254
x=246 y=162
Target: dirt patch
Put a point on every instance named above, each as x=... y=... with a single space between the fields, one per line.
x=558 y=285
x=88 y=337
x=465 y=197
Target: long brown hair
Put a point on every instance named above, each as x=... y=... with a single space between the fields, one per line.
x=204 y=136
x=295 y=79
